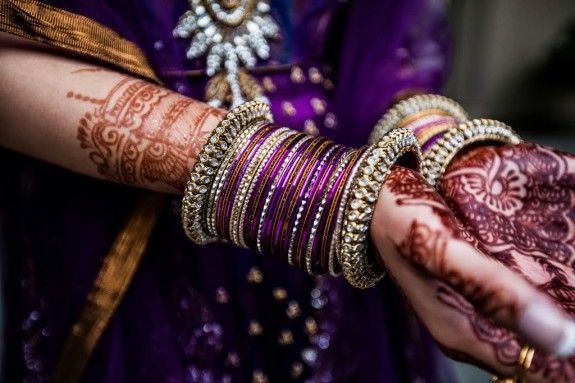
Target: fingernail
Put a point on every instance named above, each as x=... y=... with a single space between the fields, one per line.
x=545 y=327
x=566 y=345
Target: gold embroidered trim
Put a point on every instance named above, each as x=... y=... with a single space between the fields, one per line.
x=76 y=33
x=111 y=284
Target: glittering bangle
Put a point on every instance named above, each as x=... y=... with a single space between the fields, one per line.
x=244 y=224
x=223 y=173
x=437 y=158
x=209 y=159
x=334 y=260
x=287 y=194
x=307 y=204
x=270 y=188
x=225 y=217
x=410 y=107
x=359 y=209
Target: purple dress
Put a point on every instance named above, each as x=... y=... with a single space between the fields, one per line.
x=216 y=313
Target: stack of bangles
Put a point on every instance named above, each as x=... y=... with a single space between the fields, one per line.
x=443 y=129
x=302 y=199
x=308 y=200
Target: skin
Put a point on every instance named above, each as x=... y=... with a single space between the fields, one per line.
x=470 y=302
x=96 y=121
x=104 y=124
x=525 y=194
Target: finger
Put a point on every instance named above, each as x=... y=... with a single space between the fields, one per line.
x=461 y=332
x=417 y=222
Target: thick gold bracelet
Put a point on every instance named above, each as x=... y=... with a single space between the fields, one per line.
x=437 y=158
x=358 y=270
x=415 y=104
x=209 y=160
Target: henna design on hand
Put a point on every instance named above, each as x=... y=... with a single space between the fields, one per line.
x=519 y=202
x=426 y=246
x=141 y=134
x=518 y=199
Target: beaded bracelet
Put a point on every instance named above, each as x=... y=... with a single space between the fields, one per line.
x=437 y=158
x=410 y=108
x=209 y=159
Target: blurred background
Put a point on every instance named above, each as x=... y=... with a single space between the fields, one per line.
x=514 y=61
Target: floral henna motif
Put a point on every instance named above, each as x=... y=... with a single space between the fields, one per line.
x=142 y=134
x=426 y=247
x=518 y=199
x=520 y=204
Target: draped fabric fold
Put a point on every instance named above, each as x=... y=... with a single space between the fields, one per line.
x=75 y=33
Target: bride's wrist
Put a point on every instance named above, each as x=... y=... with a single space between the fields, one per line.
x=306 y=200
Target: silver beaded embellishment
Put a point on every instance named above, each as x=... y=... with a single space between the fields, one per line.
x=412 y=105
x=365 y=187
x=208 y=163
x=440 y=154
x=232 y=34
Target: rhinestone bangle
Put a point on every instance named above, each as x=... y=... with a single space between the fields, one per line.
x=364 y=192
x=393 y=117
x=439 y=155
x=209 y=159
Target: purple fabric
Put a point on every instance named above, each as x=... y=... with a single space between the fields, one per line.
x=186 y=315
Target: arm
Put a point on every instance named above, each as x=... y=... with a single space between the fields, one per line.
x=98 y=122
x=107 y=125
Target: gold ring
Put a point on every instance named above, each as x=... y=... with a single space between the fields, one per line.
x=523 y=364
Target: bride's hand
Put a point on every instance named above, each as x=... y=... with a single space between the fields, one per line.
x=519 y=202
x=477 y=309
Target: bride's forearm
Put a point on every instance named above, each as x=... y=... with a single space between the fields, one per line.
x=96 y=121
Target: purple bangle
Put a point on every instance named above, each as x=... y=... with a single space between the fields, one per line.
x=431 y=141
x=313 y=171
x=443 y=120
x=264 y=183
x=278 y=192
x=272 y=155
x=318 y=254
x=307 y=202
x=271 y=186
x=236 y=183
x=293 y=186
x=223 y=207
x=332 y=192
x=314 y=202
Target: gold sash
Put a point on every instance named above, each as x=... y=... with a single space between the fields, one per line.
x=72 y=32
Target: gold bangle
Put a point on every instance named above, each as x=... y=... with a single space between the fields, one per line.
x=209 y=160
x=437 y=158
x=244 y=189
x=350 y=164
x=223 y=173
x=428 y=134
x=421 y=102
x=365 y=187
x=410 y=119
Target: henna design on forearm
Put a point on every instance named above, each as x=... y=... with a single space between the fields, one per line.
x=141 y=134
